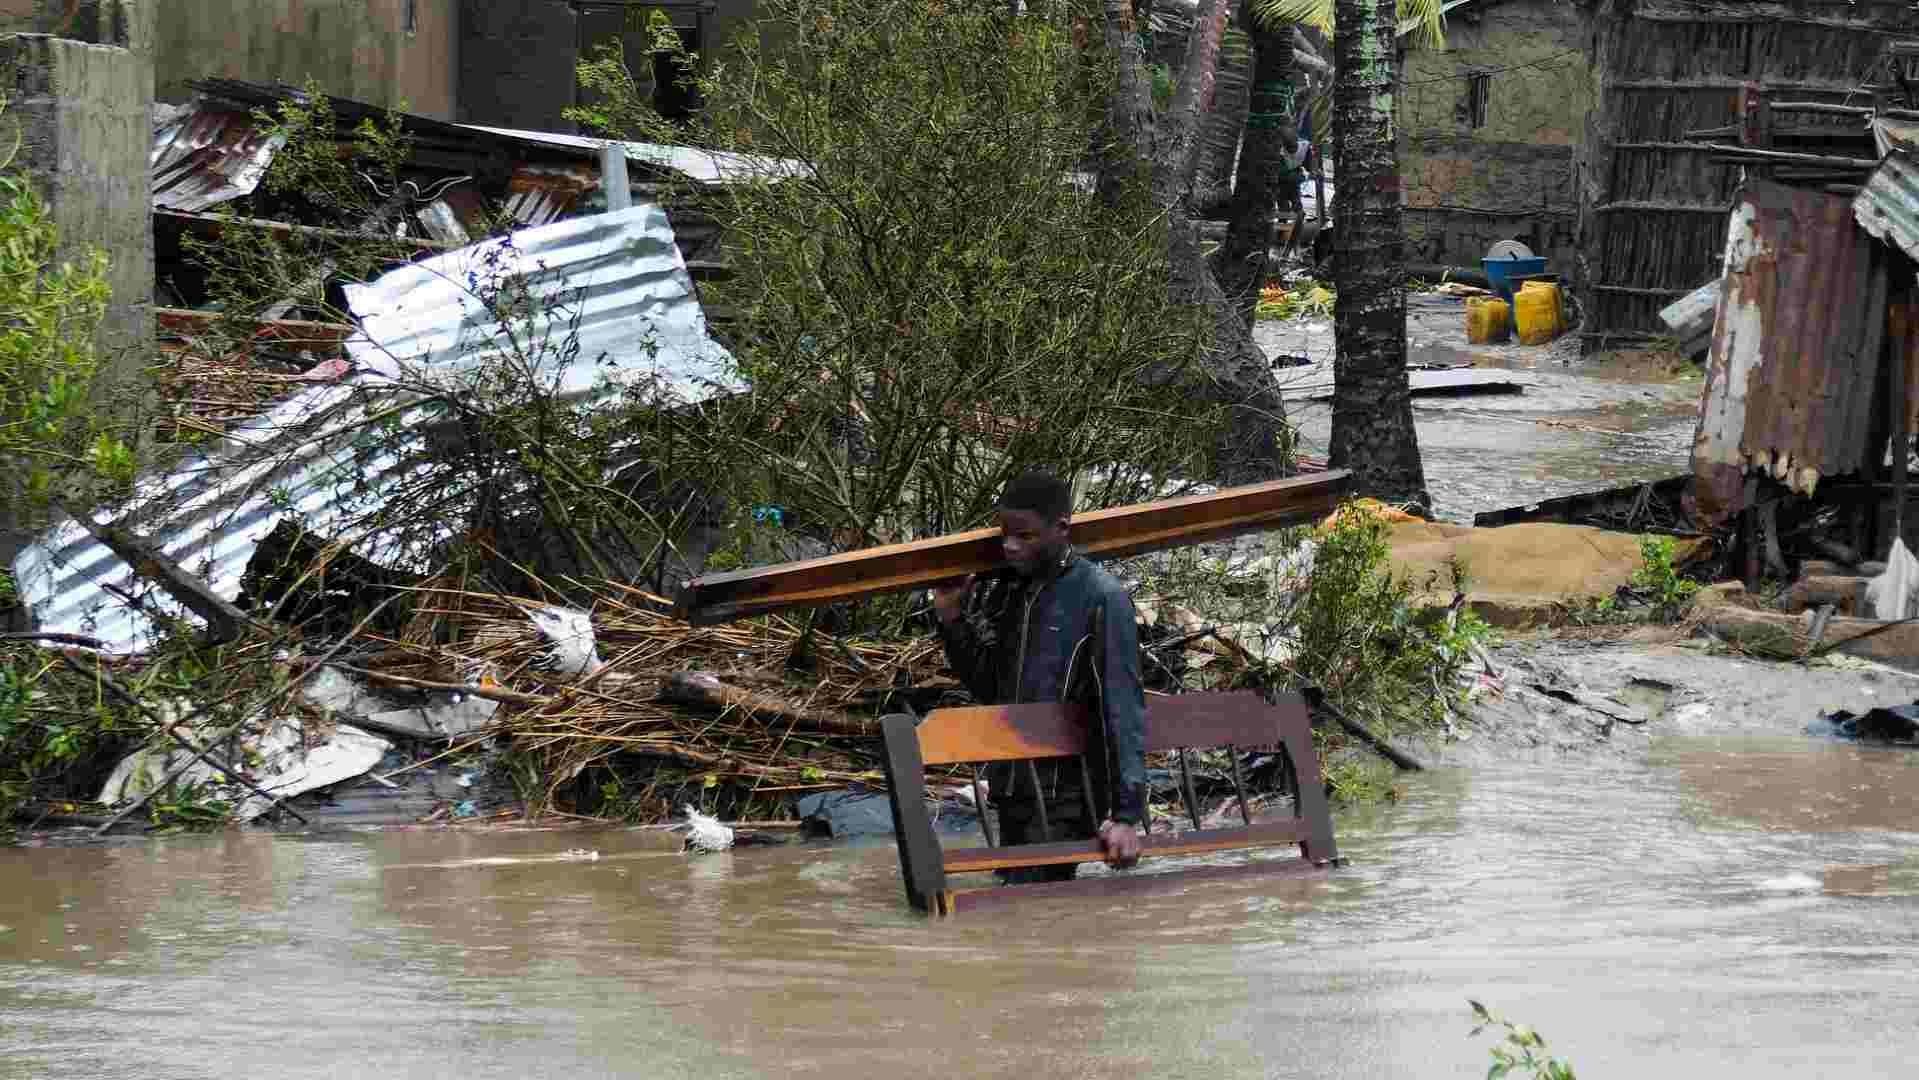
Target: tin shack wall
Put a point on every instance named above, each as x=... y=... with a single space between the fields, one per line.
x=1794 y=369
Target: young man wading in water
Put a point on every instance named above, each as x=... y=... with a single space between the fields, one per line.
x=1057 y=628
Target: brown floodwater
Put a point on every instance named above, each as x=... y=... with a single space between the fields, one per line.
x=1729 y=908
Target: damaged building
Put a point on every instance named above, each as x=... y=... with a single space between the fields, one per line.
x=618 y=267
x=1489 y=130
x=500 y=62
x=1585 y=130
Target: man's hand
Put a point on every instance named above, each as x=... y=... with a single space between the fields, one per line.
x=1120 y=842
x=949 y=598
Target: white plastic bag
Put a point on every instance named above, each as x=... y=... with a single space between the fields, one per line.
x=1895 y=593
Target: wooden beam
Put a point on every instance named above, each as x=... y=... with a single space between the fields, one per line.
x=187 y=323
x=1152 y=845
x=1102 y=534
x=210 y=226
x=1740 y=153
x=981 y=733
x=918 y=845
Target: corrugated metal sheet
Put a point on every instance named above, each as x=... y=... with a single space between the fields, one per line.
x=705 y=166
x=543 y=194
x=1888 y=205
x=615 y=282
x=207 y=156
x=616 y=279
x=1891 y=136
x=1794 y=366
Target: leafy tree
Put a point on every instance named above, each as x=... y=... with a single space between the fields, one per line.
x=925 y=295
x=56 y=444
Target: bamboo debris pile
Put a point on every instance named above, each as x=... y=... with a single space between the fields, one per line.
x=760 y=704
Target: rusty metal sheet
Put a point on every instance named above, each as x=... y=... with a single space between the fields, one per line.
x=1796 y=341
x=208 y=155
x=542 y=194
x=1888 y=205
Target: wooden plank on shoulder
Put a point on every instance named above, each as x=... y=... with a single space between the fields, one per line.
x=1113 y=533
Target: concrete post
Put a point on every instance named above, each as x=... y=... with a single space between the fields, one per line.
x=79 y=79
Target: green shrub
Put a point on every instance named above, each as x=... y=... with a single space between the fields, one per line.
x=1668 y=591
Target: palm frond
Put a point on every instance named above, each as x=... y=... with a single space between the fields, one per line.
x=1427 y=18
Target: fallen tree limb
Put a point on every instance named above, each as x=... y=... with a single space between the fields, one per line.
x=1406 y=762
x=509 y=697
x=81 y=640
x=705 y=690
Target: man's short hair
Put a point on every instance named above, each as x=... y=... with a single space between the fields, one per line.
x=1040 y=492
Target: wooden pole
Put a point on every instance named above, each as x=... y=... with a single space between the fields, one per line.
x=1901 y=417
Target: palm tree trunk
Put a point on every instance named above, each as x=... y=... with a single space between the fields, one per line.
x=1256 y=444
x=1241 y=264
x=1219 y=138
x=1177 y=160
x=1373 y=432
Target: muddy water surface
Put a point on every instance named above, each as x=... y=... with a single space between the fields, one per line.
x=1734 y=908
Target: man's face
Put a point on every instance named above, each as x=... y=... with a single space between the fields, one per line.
x=1030 y=540
x=1288 y=133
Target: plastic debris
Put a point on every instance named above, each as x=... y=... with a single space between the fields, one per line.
x=705 y=833
x=1895 y=593
x=569 y=634
x=282 y=763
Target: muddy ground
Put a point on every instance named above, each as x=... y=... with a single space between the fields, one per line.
x=1578 y=424
x=1575 y=694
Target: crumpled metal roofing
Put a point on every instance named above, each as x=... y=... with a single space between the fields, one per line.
x=616 y=278
x=705 y=166
x=1794 y=365
x=614 y=283
x=1893 y=135
x=1887 y=206
x=207 y=156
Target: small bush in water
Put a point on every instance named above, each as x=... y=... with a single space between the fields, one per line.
x=1522 y=1048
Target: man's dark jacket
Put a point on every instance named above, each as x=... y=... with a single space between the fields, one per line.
x=1066 y=635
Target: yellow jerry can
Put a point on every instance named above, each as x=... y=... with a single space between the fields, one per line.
x=1488 y=321
x=1536 y=312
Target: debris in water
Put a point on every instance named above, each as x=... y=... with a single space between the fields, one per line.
x=581 y=854
x=1897 y=724
x=706 y=833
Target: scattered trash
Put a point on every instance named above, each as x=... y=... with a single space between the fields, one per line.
x=706 y=834
x=570 y=633
x=1893 y=724
x=580 y=854
x=1697 y=713
x=862 y=811
x=281 y=764
x=1895 y=593
x=465 y=808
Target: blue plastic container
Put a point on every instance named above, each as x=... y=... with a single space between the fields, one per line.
x=1500 y=272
